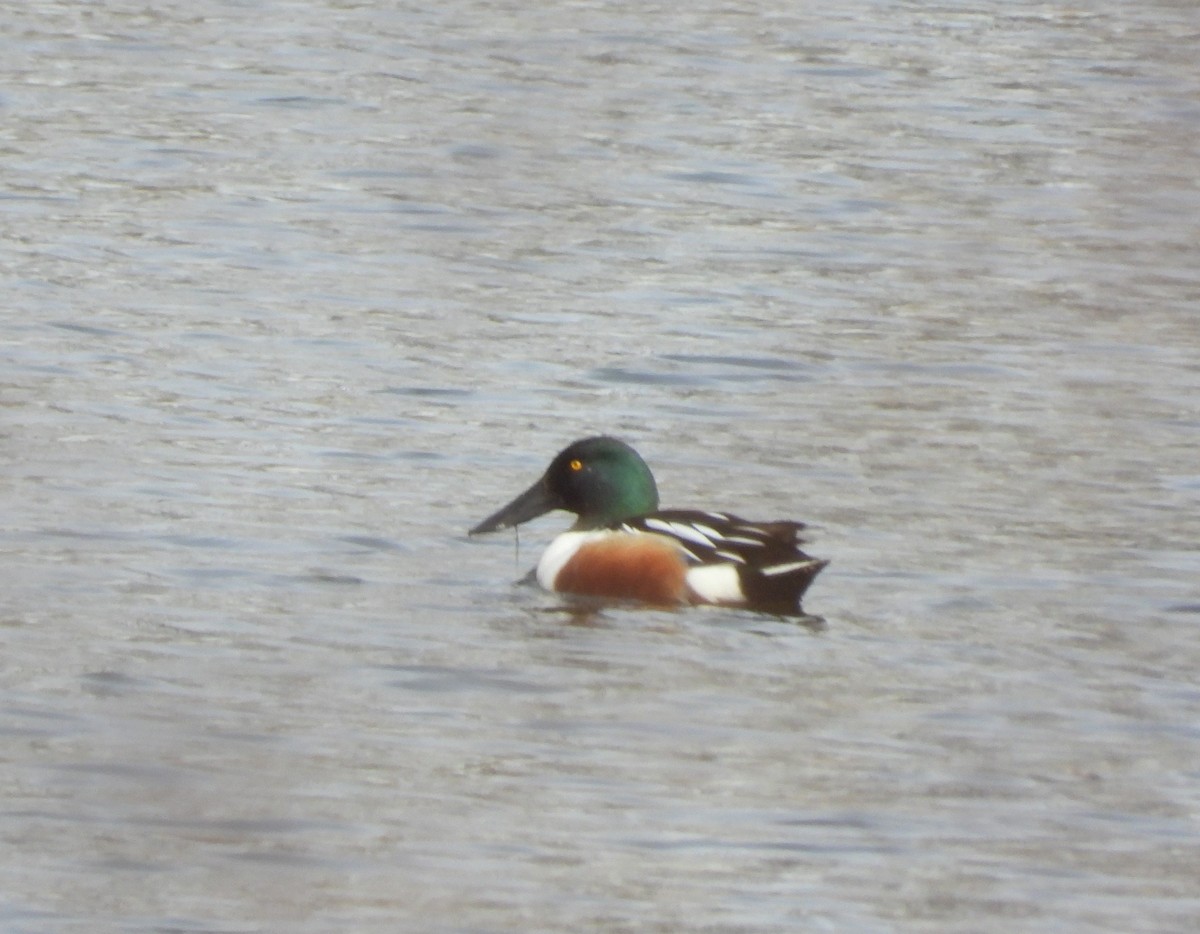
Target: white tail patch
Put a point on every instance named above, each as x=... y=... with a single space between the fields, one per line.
x=716 y=583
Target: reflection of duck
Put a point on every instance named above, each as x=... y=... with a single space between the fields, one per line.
x=622 y=545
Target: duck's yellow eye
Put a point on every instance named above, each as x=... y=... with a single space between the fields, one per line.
x=576 y=464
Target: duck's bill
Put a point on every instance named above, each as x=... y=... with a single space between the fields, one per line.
x=534 y=502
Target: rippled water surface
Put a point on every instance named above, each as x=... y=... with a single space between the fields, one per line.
x=297 y=293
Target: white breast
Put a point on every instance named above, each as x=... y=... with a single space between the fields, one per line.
x=560 y=551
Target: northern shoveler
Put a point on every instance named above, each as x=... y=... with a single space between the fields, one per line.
x=623 y=546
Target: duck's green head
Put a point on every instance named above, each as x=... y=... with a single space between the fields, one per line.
x=601 y=480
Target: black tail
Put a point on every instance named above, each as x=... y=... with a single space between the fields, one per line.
x=778 y=588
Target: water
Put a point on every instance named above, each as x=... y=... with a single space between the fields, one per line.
x=296 y=294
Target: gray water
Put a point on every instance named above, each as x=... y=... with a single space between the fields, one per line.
x=294 y=294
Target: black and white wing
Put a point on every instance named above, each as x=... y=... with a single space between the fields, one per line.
x=721 y=538
x=772 y=570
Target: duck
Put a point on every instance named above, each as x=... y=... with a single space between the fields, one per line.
x=623 y=547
